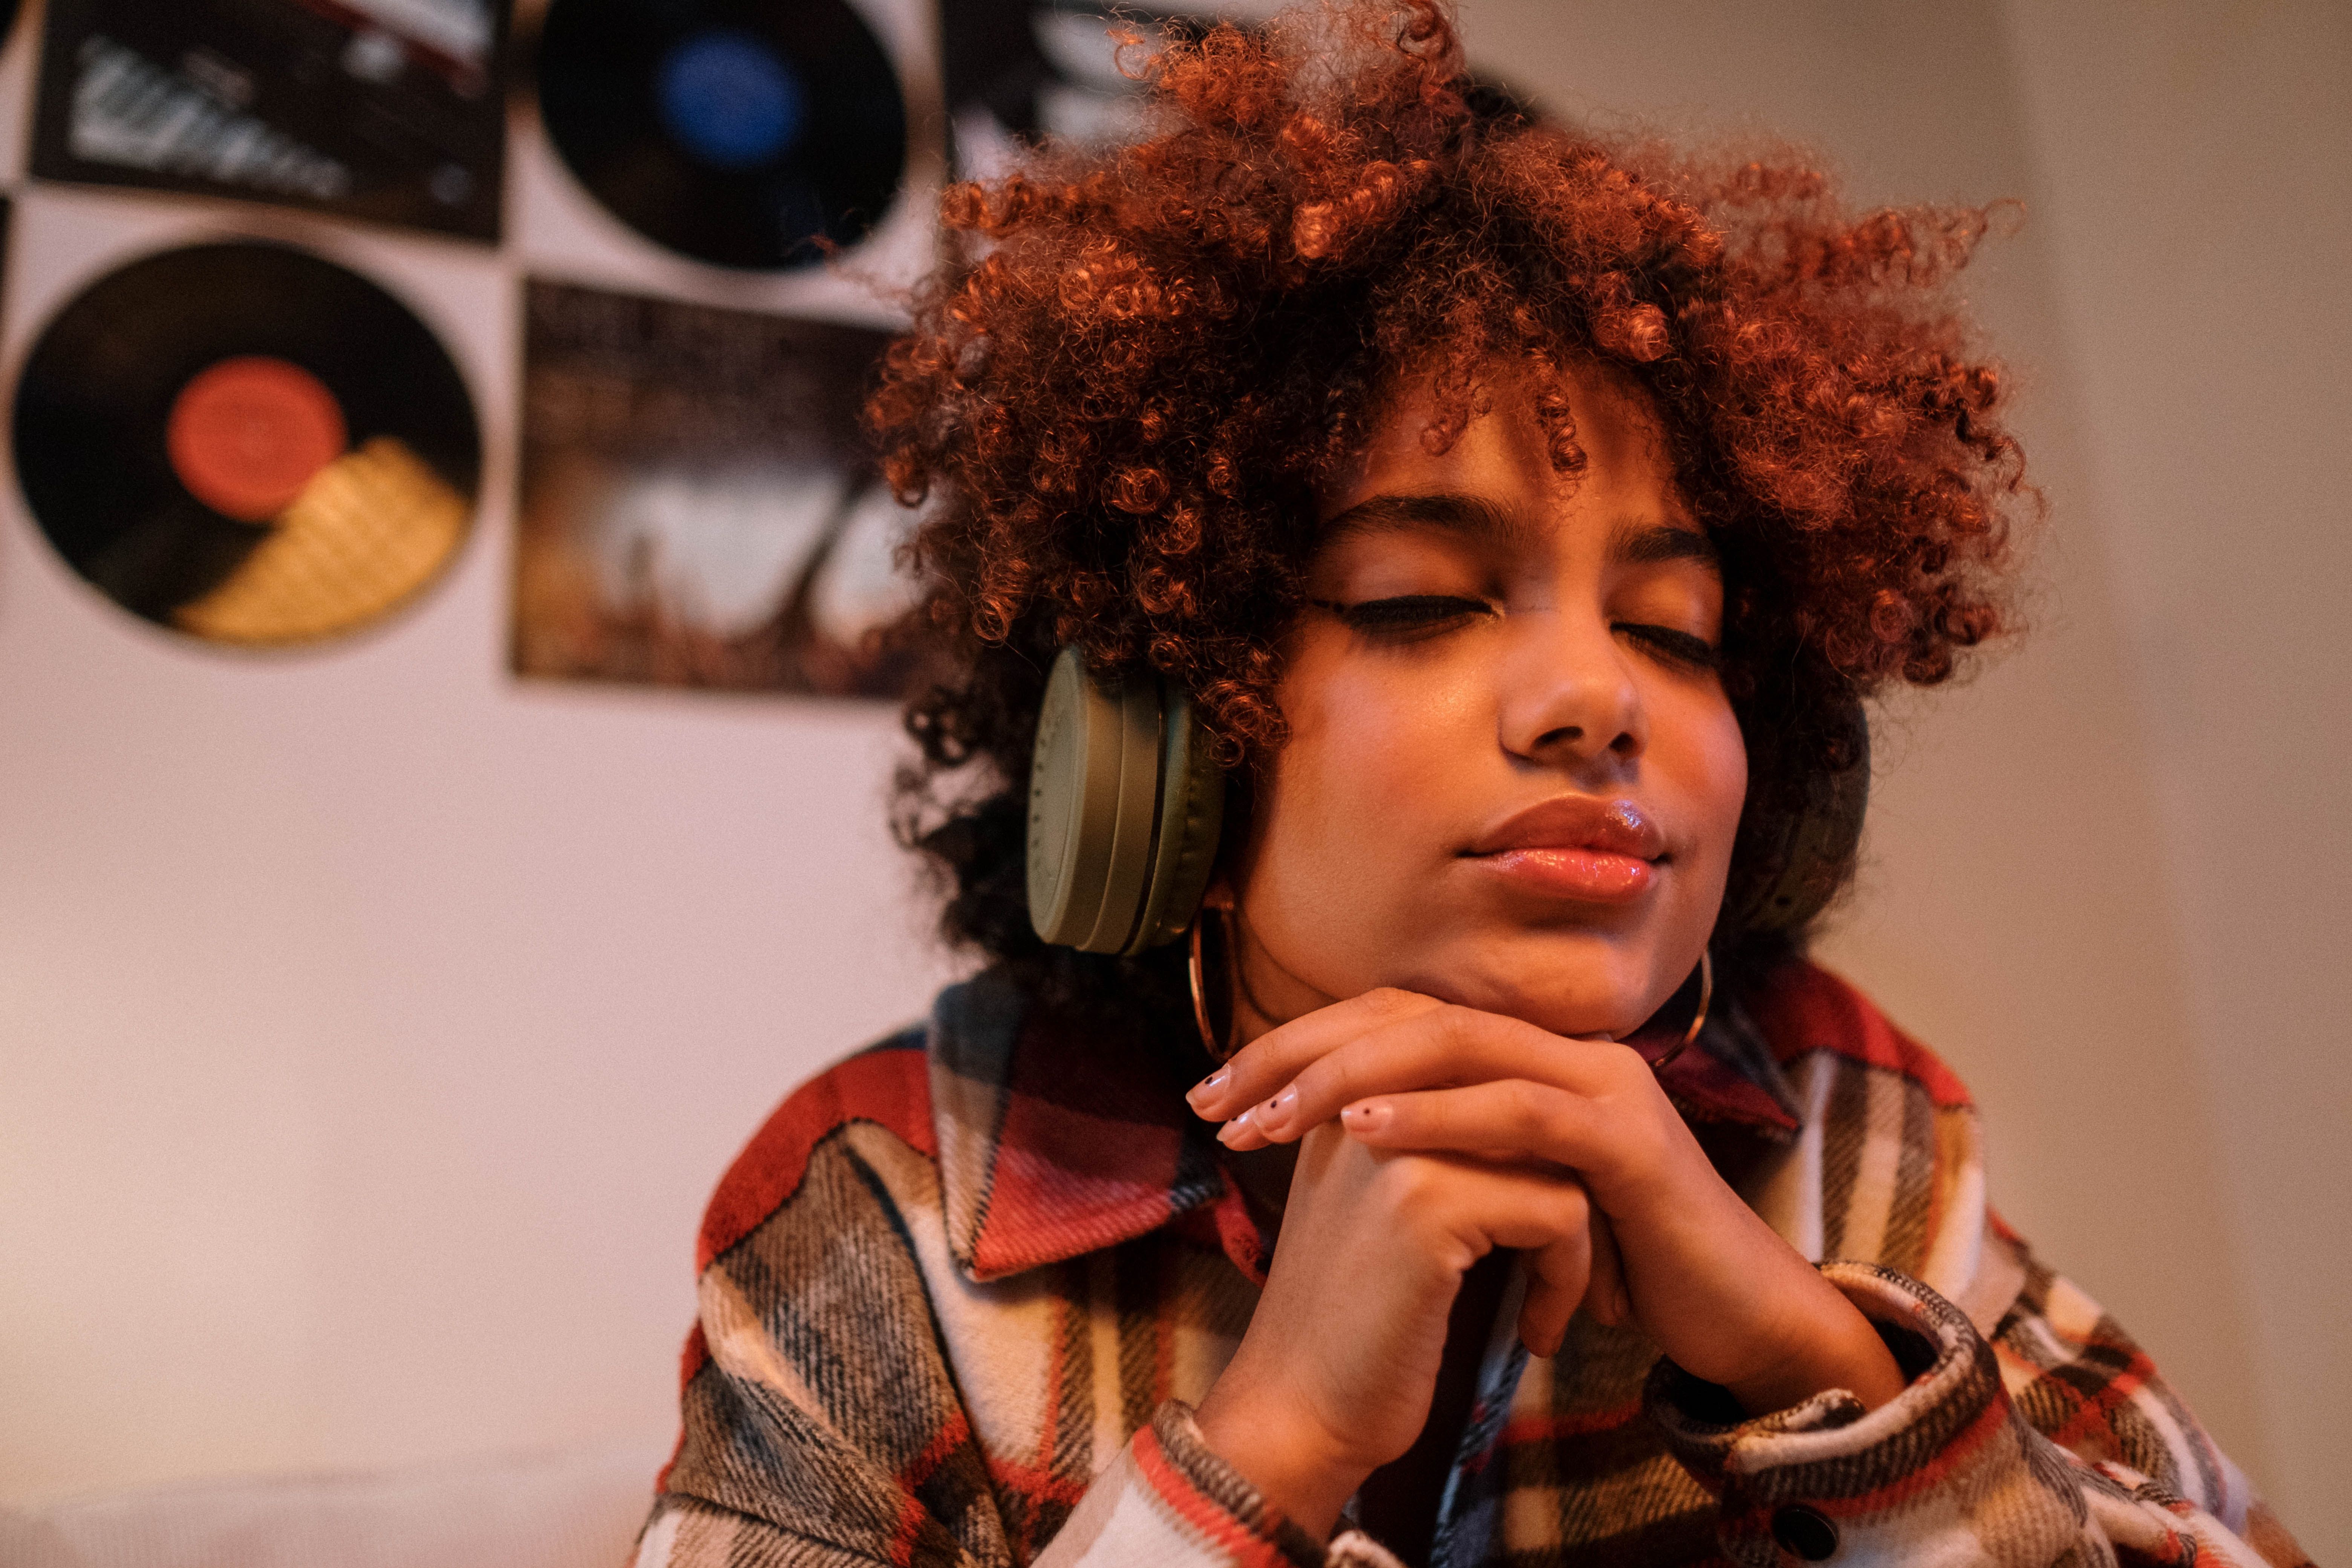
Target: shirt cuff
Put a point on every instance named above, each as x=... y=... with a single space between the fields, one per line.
x=1170 y=1499
x=1945 y=1467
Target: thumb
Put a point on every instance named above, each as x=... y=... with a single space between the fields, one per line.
x=1612 y=1297
x=1556 y=1277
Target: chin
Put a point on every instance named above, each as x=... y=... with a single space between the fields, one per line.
x=1584 y=983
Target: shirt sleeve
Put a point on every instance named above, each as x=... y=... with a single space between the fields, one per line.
x=2052 y=1443
x=1167 y=1503
x=1169 y=1499
x=824 y=1425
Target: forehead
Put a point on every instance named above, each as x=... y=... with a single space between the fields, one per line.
x=1506 y=455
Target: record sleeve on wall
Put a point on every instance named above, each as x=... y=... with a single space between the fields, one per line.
x=697 y=507
x=248 y=443
x=382 y=110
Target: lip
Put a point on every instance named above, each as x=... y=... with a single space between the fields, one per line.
x=1575 y=846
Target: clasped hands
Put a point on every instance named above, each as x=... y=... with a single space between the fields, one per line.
x=1429 y=1133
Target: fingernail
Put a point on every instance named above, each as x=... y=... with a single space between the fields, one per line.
x=1206 y=1087
x=1234 y=1128
x=1277 y=1111
x=1369 y=1117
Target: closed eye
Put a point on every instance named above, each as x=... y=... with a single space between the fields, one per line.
x=1406 y=615
x=1675 y=647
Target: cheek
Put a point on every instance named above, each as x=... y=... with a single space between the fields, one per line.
x=1364 y=783
x=1709 y=761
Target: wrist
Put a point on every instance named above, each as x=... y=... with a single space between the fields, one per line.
x=1839 y=1350
x=1294 y=1463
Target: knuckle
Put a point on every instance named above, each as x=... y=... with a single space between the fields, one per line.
x=1567 y=1223
x=1411 y=1182
x=1529 y=1110
x=1456 y=1028
x=1332 y=1080
x=1625 y=1069
x=1249 y=1064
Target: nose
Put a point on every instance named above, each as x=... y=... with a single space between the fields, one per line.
x=1568 y=697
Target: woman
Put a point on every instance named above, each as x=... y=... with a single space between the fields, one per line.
x=1518 y=521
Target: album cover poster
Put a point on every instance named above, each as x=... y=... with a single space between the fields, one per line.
x=698 y=508
x=383 y=110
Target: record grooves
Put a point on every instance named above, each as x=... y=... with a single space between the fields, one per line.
x=247 y=442
x=738 y=132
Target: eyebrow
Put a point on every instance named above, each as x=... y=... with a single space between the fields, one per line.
x=1473 y=517
x=1640 y=543
x=1634 y=542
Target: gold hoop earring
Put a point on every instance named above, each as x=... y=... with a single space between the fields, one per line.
x=1192 y=971
x=1699 y=1019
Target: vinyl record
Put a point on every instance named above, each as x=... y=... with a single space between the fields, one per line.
x=740 y=133
x=246 y=443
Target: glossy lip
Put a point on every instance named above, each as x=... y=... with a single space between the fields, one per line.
x=1575 y=846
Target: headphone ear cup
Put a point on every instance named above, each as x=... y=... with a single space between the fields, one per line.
x=1094 y=786
x=1191 y=816
x=1821 y=845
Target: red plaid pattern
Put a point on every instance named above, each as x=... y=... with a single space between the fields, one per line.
x=958 y=1295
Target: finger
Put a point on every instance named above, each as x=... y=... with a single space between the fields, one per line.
x=1484 y=1207
x=1275 y=1057
x=1607 y=1298
x=1435 y=1047
x=1513 y=1119
x=1559 y=1277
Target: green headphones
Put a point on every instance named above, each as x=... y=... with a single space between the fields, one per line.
x=1809 y=865
x=1125 y=806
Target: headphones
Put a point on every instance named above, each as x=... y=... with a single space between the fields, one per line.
x=1806 y=869
x=1125 y=807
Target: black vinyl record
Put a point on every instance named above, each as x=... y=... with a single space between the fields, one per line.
x=382 y=110
x=248 y=443
x=741 y=133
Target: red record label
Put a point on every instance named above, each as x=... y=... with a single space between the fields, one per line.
x=246 y=434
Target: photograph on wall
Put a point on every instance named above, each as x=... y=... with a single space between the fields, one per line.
x=246 y=443
x=697 y=506
x=387 y=111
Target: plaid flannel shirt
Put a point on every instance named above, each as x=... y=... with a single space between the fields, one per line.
x=958 y=1292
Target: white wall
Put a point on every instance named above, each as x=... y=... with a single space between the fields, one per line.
x=372 y=1028
x=376 y=1024
x=2195 y=165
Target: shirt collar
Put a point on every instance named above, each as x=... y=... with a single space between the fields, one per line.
x=1055 y=1140
x=1729 y=1075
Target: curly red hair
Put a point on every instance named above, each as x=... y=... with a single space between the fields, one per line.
x=1123 y=391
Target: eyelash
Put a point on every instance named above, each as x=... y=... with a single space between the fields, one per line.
x=1411 y=617
x=1405 y=616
